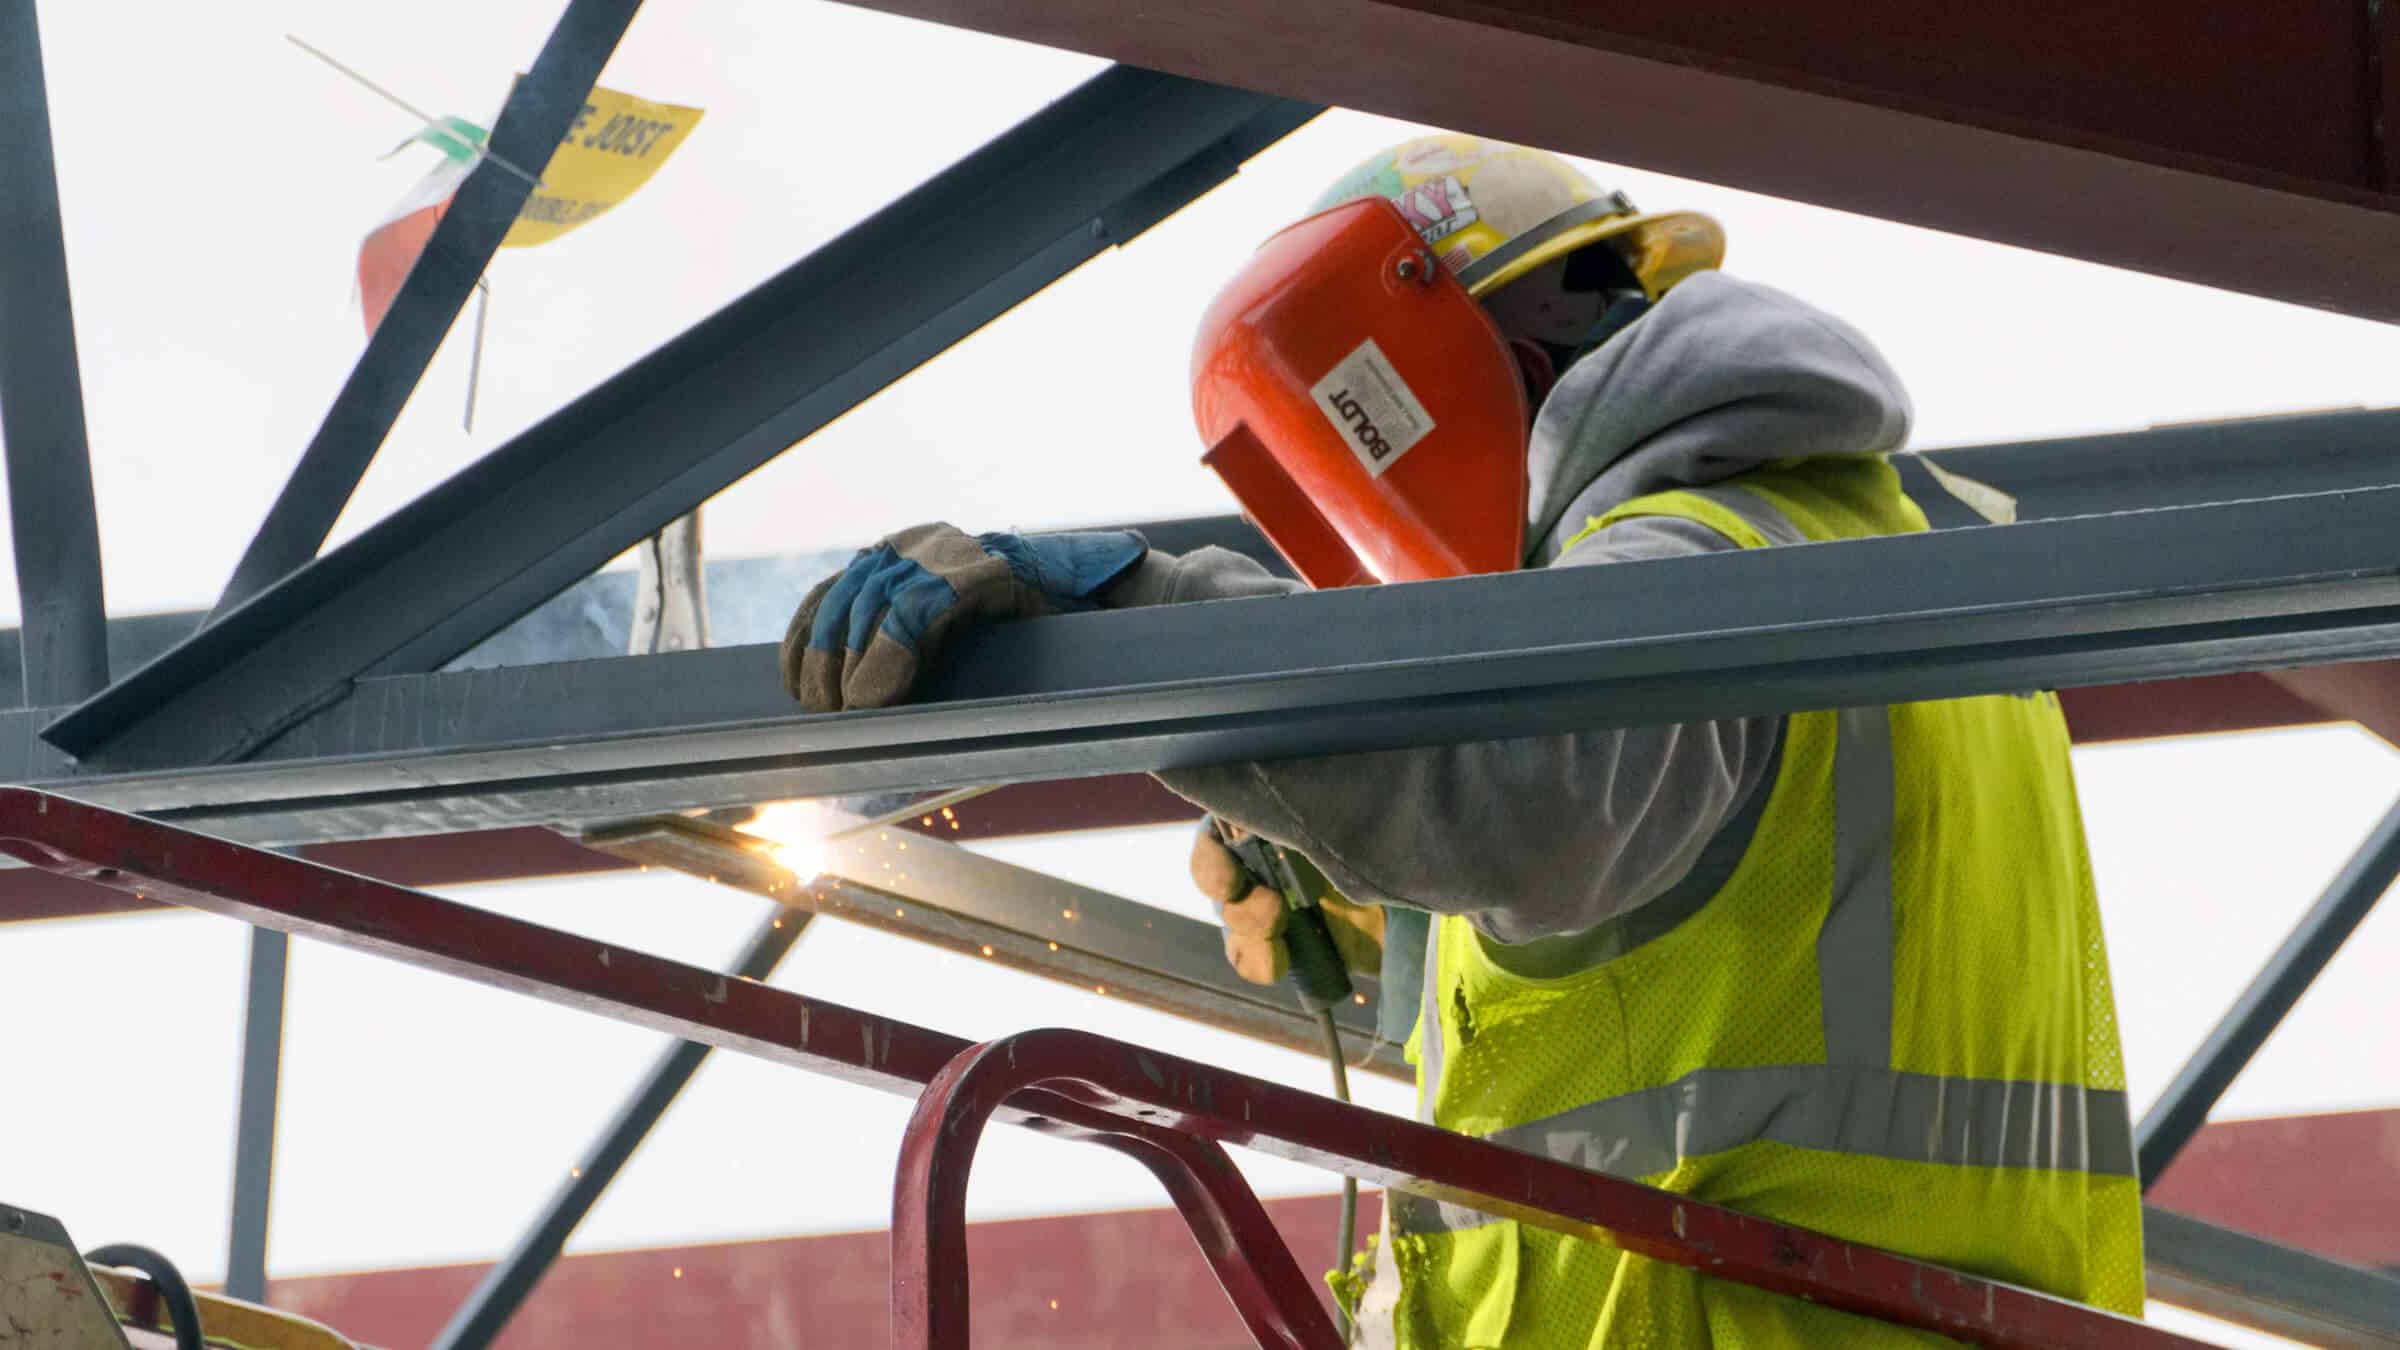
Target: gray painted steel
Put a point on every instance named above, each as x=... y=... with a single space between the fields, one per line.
x=254 y=1124
x=2266 y=1286
x=2183 y=1108
x=1089 y=172
x=2180 y=465
x=52 y=524
x=497 y=1296
x=2087 y=600
x=749 y=600
x=539 y=112
x=2087 y=475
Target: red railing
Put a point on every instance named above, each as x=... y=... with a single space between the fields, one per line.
x=1172 y=1115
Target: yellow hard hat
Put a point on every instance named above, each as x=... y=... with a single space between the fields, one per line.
x=1493 y=212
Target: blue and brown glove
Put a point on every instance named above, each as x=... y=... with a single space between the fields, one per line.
x=862 y=637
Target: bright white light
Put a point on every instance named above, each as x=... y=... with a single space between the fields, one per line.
x=798 y=830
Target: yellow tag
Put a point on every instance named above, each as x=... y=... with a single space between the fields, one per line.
x=615 y=144
x=1983 y=499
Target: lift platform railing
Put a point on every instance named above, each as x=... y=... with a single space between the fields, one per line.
x=1172 y=1115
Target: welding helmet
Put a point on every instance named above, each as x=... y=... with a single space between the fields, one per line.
x=1366 y=410
x=1362 y=406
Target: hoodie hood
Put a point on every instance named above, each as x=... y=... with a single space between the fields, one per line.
x=1721 y=376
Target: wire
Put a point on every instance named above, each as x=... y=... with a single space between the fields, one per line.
x=1348 y=1234
x=174 y=1292
x=410 y=108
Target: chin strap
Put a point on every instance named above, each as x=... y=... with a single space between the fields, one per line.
x=1623 y=309
x=1543 y=363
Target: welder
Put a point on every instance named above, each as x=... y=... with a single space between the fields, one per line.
x=1839 y=968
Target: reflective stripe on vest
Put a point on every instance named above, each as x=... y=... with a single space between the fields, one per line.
x=1878 y=1113
x=1854 y=1103
x=1429 y=1023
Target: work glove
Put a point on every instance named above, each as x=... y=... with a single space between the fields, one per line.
x=1253 y=915
x=863 y=635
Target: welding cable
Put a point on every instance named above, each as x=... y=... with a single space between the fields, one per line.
x=174 y=1292
x=1348 y=1233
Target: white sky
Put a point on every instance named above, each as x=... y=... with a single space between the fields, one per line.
x=215 y=183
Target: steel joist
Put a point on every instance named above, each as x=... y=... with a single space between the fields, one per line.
x=1086 y=173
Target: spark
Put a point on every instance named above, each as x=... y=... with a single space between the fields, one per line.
x=796 y=835
x=575 y=1172
x=1054 y=946
x=987 y=949
x=1067 y=913
x=1054 y=1305
x=679 y=1272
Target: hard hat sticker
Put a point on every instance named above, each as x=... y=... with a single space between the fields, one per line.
x=1373 y=408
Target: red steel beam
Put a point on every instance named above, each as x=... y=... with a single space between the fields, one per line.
x=2329 y=1184
x=2206 y=705
x=1172 y=1112
x=2233 y=143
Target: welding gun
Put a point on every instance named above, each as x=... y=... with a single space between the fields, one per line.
x=1317 y=972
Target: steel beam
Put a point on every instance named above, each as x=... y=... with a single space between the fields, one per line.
x=539 y=112
x=948 y=897
x=2216 y=124
x=254 y=1122
x=2267 y=1286
x=2088 y=600
x=1089 y=172
x=2183 y=1108
x=505 y=1287
x=2185 y=464
x=51 y=516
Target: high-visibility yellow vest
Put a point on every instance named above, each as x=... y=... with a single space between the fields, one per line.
x=1887 y=1017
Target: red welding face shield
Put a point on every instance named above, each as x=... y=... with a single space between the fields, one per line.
x=1362 y=406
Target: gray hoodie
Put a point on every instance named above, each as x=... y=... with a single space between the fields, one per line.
x=1546 y=839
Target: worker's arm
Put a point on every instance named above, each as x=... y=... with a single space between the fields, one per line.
x=1533 y=837
x=1529 y=838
